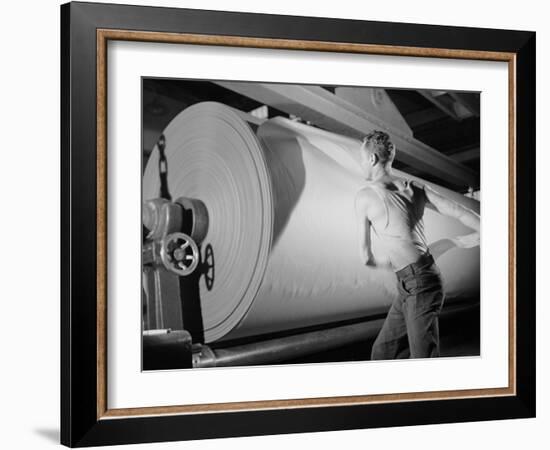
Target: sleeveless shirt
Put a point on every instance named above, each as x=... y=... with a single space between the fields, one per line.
x=402 y=232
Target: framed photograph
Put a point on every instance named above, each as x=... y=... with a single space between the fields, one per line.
x=278 y=224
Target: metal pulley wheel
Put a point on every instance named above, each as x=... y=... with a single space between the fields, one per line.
x=179 y=253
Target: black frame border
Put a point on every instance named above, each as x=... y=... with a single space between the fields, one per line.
x=79 y=423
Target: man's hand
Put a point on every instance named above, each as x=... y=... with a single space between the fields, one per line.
x=467 y=241
x=444 y=245
x=450 y=208
x=367 y=258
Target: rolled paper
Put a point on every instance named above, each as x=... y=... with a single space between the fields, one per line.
x=282 y=229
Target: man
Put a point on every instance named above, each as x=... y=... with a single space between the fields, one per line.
x=394 y=207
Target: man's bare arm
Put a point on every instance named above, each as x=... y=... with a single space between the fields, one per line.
x=364 y=229
x=450 y=208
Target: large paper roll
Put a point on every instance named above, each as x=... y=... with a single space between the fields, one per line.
x=280 y=200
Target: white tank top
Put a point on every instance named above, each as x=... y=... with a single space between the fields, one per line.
x=402 y=232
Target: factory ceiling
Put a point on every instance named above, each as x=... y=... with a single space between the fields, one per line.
x=437 y=132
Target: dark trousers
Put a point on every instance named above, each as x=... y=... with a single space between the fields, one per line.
x=411 y=327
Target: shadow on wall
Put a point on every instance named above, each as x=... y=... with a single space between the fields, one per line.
x=49 y=434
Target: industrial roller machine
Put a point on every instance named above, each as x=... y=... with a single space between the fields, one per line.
x=250 y=251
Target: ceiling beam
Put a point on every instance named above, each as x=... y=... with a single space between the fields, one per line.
x=466 y=155
x=469 y=100
x=447 y=109
x=324 y=109
x=424 y=116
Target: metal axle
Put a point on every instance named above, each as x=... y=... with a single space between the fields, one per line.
x=285 y=348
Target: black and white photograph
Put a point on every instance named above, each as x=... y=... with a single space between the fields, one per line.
x=308 y=224
x=275 y=225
